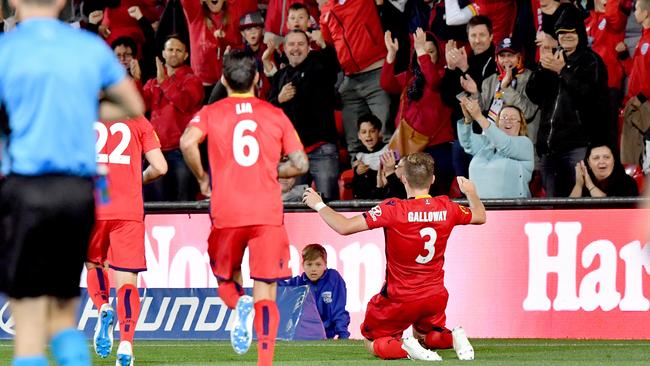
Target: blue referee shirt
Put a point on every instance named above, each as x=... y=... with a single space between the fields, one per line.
x=51 y=76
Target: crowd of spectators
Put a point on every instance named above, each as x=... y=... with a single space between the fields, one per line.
x=366 y=82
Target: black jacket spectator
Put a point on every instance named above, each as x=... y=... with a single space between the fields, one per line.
x=311 y=110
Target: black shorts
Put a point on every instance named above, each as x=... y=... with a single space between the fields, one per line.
x=45 y=226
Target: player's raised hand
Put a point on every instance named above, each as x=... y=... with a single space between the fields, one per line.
x=466 y=186
x=311 y=198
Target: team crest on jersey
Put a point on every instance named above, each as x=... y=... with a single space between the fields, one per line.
x=602 y=24
x=375 y=212
x=644 y=48
x=464 y=209
x=327 y=297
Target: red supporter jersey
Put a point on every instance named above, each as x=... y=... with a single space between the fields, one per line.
x=246 y=139
x=120 y=146
x=416 y=232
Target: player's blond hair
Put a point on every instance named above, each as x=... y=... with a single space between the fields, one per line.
x=314 y=251
x=418 y=170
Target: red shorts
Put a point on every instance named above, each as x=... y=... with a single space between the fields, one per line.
x=388 y=318
x=268 y=248
x=119 y=241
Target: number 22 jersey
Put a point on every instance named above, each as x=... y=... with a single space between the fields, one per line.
x=416 y=232
x=120 y=146
x=246 y=139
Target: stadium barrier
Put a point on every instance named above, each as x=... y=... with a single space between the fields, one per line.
x=540 y=268
x=196 y=313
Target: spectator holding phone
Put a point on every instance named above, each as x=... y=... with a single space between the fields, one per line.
x=304 y=90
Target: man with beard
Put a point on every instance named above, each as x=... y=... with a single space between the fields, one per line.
x=172 y=98
x=304 y=89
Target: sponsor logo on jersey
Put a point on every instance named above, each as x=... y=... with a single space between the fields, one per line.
x=375 y=212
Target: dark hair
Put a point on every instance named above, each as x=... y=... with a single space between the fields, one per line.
x=298 y=6
x=369 y=118
x=478 y=20
x=415 y=89
x=291 y=31
x=126 y=42
x=617 y=172
x=418 y=170
x=179 y=38
x=239 y=69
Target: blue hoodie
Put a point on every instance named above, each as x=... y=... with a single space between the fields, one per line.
x=330 y=294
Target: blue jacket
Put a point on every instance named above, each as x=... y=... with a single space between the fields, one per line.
x=330 y=294
x=502 y=165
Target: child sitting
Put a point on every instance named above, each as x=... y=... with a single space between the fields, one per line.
x=366 y=165
x=328 y=288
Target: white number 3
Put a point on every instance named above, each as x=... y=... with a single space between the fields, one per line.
x=116 y=156
x=428 y=245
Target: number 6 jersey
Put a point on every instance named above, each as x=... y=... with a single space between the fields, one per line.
x=416 y=232
x=120 y=146
x=246 y=139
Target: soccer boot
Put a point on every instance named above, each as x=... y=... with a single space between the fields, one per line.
x=124 y=354
x=463 y=348
x=417 y=352
x=241 y=334
x=103 y=340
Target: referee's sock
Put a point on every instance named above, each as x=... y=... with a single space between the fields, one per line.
x=70 y=348
x=98 y=286
x=267 y=318
x=128 y=309
x=40 y=360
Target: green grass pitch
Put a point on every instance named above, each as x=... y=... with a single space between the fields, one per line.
x=352 y=353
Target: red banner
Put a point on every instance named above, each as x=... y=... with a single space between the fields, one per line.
x=534 y=273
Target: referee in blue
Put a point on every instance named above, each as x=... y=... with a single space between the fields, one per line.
x=51 y=77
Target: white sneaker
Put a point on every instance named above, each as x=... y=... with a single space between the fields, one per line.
x=103 y=339
x=124 y=354
x=417 y=352
x=241 y=334
x=463 y=348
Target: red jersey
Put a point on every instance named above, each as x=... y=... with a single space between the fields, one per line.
x=120 y=145
x=638 y=68
x=247 y=138
x=606 y=30
x=416 y=232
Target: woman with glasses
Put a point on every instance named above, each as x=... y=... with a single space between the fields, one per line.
x=503 y=156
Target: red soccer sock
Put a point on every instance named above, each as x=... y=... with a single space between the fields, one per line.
x=267 y=318
x=389 y=348
x=230 y=291
x=98 y=286
x=439 y=338
x=128 y=309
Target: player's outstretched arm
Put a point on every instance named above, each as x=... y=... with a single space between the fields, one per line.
x=341 y=224
x=475 y=205
x=190 y=148
x=298 y=164
x=157 y=166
